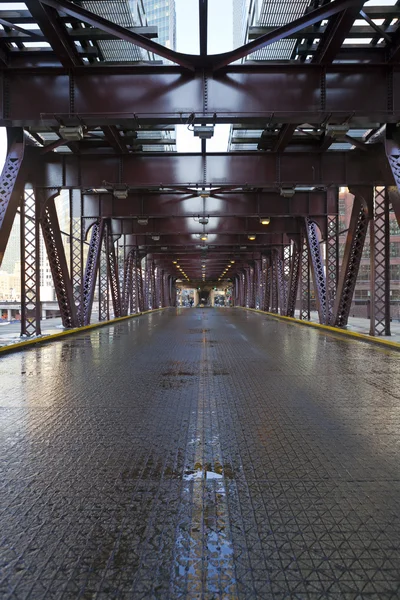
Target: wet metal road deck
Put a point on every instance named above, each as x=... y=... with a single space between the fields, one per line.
x=200 y=453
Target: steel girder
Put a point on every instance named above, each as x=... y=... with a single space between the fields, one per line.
x=261 y=170
x=362 y=211
x=380 y=264
x=293 y=281
x=110 y=95
x=112 y=270
x=92 y=267
x=30 y=264
x=76 y=249
x=317 y=270
x=57 y=260
x=9 y=196
x=305 y=299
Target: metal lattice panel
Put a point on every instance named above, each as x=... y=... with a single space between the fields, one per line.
x=380 y=274
x=112 y=270
x=282 y=284
x=7 y=183
x=92 y=266
x=103 y=287
x=30 y=271
x=305 y=281
x=58 y=265
x=317 y=268
x=274 y=283
x=332 y=260
x=351 y=262
x=293 y=282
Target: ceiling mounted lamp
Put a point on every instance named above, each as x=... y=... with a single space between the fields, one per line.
x=121 y=193
x=287 y=192
x=156 y=238
x=174 y=262
x=143 y=221
x=204 y=237
x=251 y=237
x=232 y=262
x=265 y=220
x=71 y=134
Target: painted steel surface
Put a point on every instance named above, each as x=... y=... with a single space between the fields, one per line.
x=200 y=453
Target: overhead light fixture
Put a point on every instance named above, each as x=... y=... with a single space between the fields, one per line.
x=251 y=237
x=232 y=262
x=265 y=220
x=120 y=194
x=71 y=134
x=204 y=237
x=337 y=131
x=287 y=192
x=204 y=132
x=174 y=262
x=242 y=247
x=203 y=220
x=164 y=247
x=156 y=238
x=143 y=221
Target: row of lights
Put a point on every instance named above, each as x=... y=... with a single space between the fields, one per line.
x=263 y=221
x=175 y=262
x=231 y=262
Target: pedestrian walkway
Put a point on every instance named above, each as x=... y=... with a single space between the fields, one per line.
x=361 y=325
x=200 y=454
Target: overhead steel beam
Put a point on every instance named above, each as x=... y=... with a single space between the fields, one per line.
x=101 y=96
x=203 y=26
x=337 y=30
x=257 y=170
x=48 y=20
x=313 y=16
x=120 y=32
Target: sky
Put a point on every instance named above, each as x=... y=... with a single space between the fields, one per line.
x=220 y=39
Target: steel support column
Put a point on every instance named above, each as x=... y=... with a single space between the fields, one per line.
x=274 y=282
x=112 y=271
x=380 y=264
x=293 y=281
x=317 y=270
x=76 y=249
x=102 y=280
x=268 y=286
x=305 y=281
x=9 y=196
x=250 y=287
x=30 y=264
x=352 y=256
x=332 y=261
x=129 y=274
x=282 y=288
x=92 y=267
x=258 y=284
x=58 y=264
x=139 y=284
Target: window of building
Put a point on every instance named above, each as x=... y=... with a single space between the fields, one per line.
x=394 y=249
x=394 y=227
x=361 y=294
x=395 y=272
x=364 y=273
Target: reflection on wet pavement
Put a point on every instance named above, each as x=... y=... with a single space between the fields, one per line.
x=167 y=457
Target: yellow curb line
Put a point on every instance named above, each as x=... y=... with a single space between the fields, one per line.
x=54 y=336
x=352 y=334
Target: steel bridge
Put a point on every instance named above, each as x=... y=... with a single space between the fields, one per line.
x=225 y=454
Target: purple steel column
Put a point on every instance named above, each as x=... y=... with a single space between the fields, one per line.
x=30 y=264
x=251 y=285
x=379 y=257
x=242 y=289
x=282 y=290
x=102 y=278
x=92 y=266
x=76 y=249
x=9 y=196
x=293 y=281
x=127 y=285
x=274 y=282
x=112 y=271
x=58 y=264
x=332 y=261
x=268 y=286
x=258 y=284
x=317 y=270
x=305 y=280
x=352 y=257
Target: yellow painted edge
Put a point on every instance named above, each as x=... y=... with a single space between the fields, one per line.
x=54 y=336
x=352 y=334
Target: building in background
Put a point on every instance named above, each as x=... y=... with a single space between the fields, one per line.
x=12 y=255
x=162 y=14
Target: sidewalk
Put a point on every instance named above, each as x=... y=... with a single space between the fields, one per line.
x=360 y=325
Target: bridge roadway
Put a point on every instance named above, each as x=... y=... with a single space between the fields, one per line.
x=200 y=453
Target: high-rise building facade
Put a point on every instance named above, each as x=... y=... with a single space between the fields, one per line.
x=162 y=14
